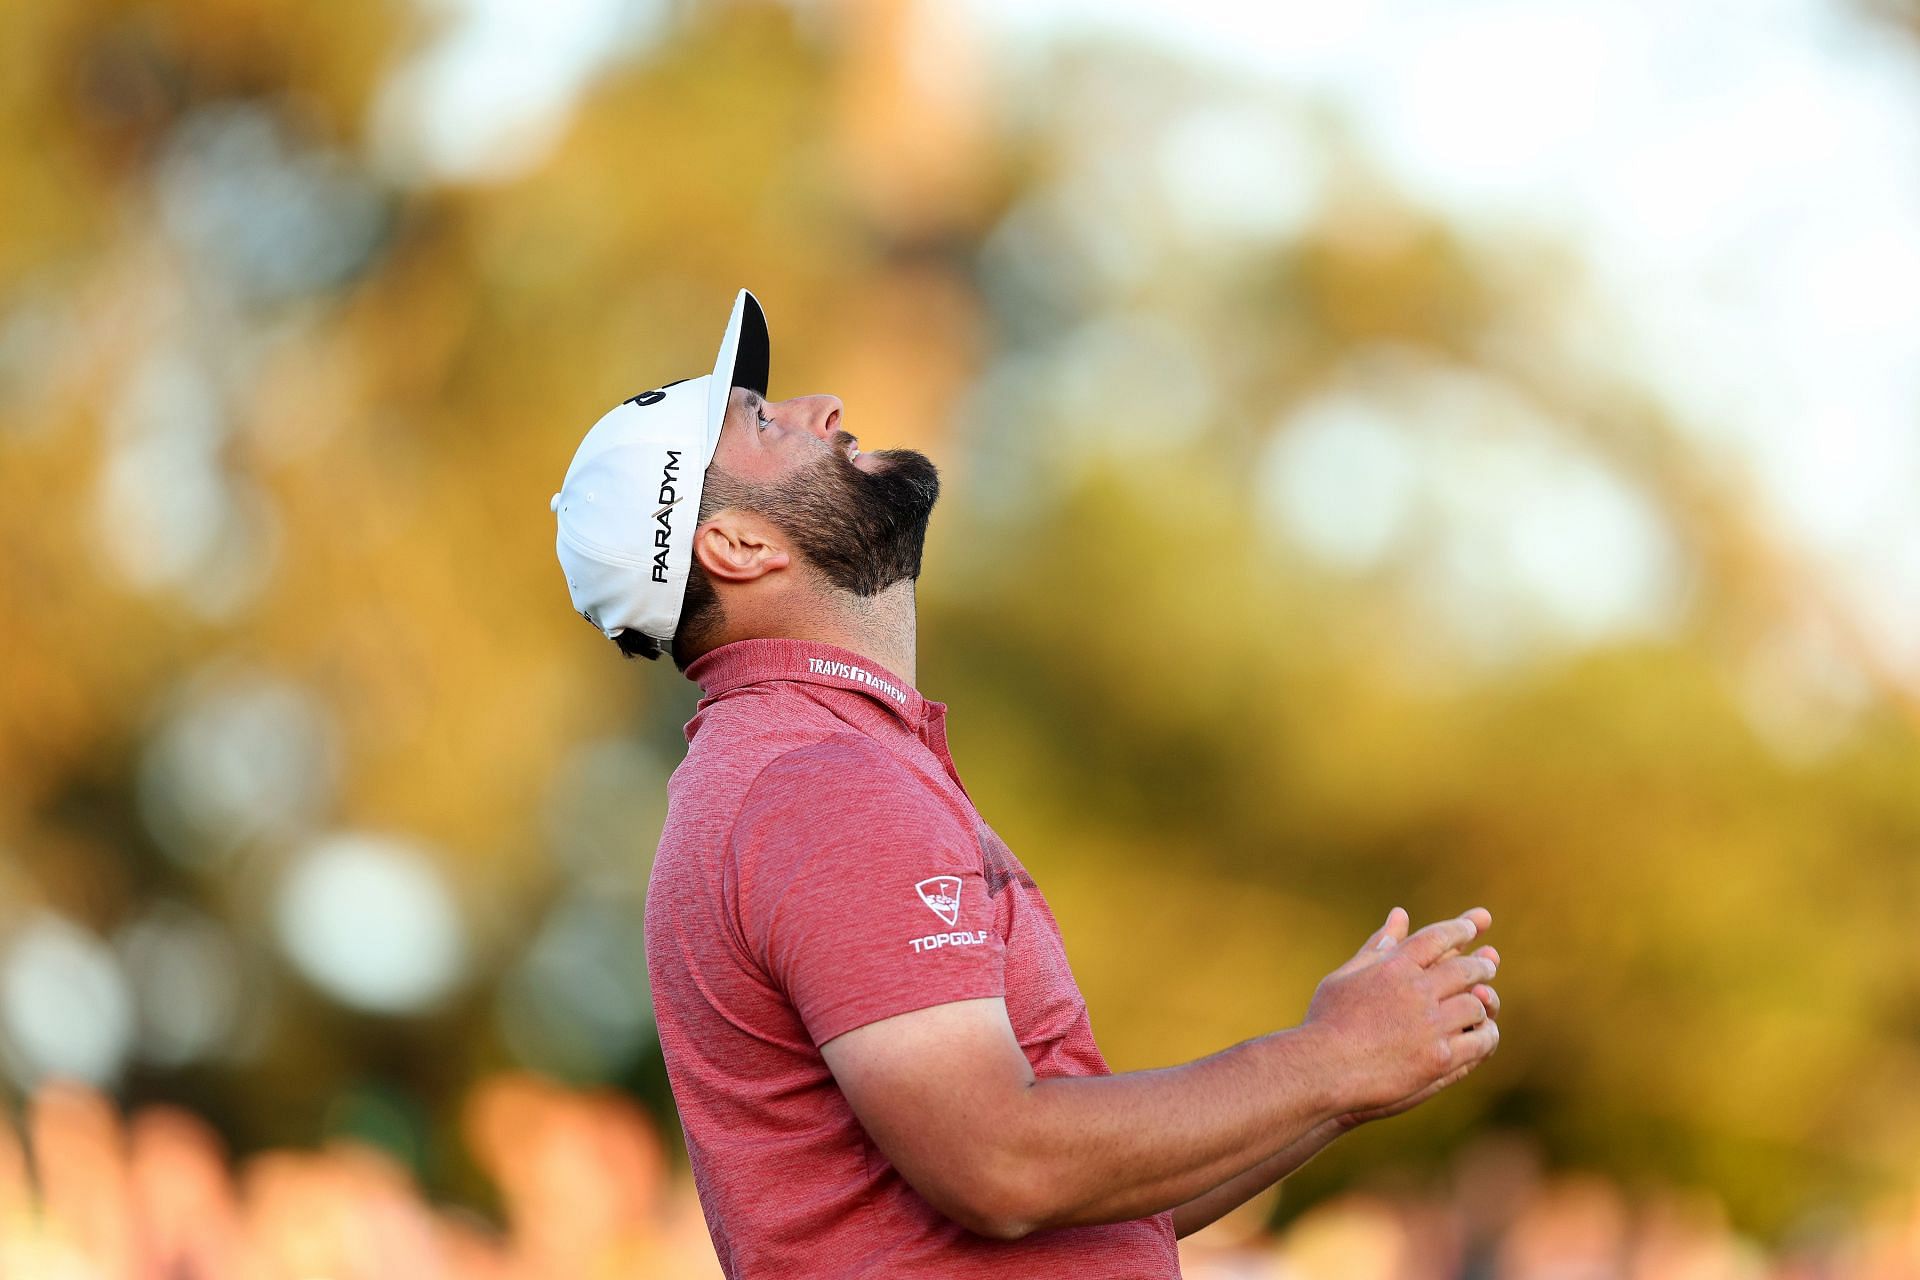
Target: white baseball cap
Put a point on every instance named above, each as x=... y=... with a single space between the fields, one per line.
x=627 y=507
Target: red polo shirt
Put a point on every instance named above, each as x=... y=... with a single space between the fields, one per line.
x=821 y=868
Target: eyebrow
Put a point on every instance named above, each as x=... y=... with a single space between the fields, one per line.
x=753 y=402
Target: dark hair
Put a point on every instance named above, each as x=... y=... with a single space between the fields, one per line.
x=635 y=643
x=700 y=612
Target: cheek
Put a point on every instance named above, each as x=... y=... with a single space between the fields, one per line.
x=739 y=456
x=771 y=467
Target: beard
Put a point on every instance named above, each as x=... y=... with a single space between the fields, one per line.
x=862 y=530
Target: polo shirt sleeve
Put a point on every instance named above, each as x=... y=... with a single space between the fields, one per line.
x=858 y=892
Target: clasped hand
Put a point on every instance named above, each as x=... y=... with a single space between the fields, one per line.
x=1407 y=1016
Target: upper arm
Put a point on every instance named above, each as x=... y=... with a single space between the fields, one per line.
x=936 y=1089
x=860 y=895
x=863 y=899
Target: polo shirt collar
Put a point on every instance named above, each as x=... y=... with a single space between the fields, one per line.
x=745 y=662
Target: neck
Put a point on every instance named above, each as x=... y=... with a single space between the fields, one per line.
x=880 y=628
x=885 y=629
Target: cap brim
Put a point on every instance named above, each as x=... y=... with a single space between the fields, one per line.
x=753 y=355
x=744 y=361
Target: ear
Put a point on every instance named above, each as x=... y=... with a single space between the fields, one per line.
x=735 y=546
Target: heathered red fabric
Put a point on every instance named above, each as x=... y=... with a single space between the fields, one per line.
x=822 y=867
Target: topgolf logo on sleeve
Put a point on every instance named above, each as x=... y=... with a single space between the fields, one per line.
x=942 y=896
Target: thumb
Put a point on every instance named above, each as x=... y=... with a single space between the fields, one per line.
x=1387 y=936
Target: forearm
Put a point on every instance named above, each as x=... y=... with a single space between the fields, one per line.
x=1087 y=1149
x=1210 y=1206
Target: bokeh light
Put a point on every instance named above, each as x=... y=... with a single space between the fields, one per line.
x=577 y=1004
x=1392 y=452
x=64 y=1004
x=187 y=982
x=368 y=919
x=237 y=757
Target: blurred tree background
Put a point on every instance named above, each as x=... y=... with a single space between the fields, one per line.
x=1306 y=550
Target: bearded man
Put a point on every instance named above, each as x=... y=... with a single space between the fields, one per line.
x=882 y=1062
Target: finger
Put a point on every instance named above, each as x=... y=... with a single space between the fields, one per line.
x=1436 y=940
x=1459 y=973
x=1397 y=924
x=1490 y=998
x=1458 y=1073
x=1462 y=1011
x=1385 y=938
x=1464 y=1065
x=1488 y=952
x=1390 y=934
x=1476 y=1043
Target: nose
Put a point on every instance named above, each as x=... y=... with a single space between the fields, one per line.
x=819 y=414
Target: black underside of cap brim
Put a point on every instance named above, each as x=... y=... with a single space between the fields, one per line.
x=754 y=356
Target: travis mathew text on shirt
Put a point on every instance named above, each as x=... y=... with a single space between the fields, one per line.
x=822 y=867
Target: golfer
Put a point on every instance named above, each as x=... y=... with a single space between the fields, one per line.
x=882 y=1062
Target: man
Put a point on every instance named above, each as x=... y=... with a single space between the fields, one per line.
x=882 y=1062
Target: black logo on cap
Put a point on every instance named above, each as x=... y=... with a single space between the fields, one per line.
x=664 y=516
x=655 y=396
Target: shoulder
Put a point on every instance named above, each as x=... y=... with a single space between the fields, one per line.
x=820 y=757
x=842 y=774
x=744 y=737
x=842 y=794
